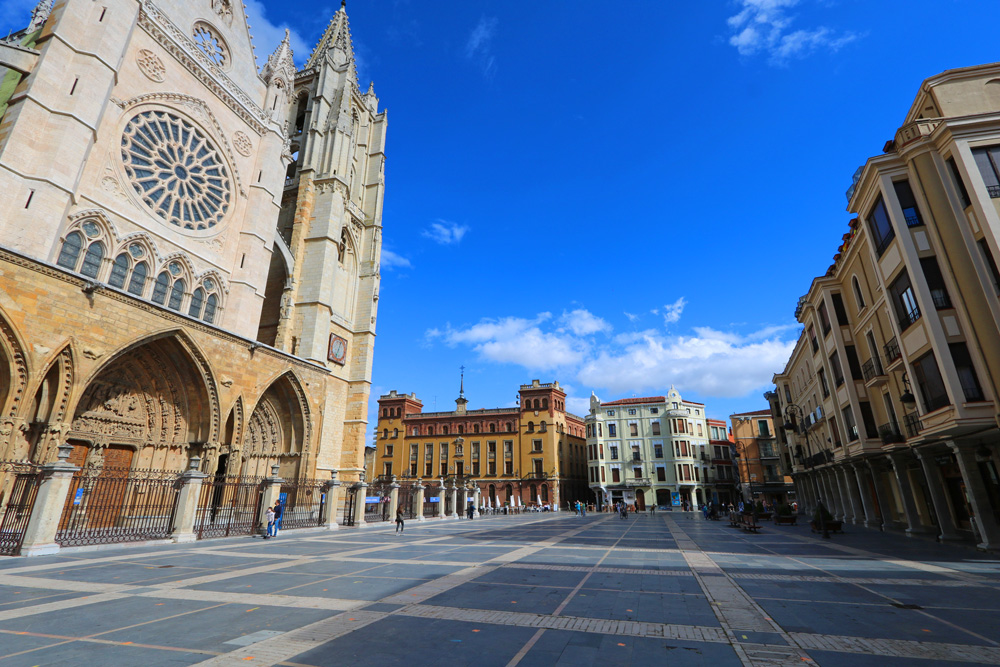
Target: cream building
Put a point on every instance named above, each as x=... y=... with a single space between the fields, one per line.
x=189 y=246
x=651 y=450
x=890 y=396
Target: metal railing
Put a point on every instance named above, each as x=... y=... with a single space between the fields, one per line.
x=913 y=424
x=229 y=506
x=891 y=350
x=16 y=506
x=872 y=369
x=112 y=505
x=301 y=503
x=890 y=433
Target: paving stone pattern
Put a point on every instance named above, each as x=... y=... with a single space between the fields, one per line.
x=550 y=589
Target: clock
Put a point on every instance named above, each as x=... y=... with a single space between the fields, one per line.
x=338 y=350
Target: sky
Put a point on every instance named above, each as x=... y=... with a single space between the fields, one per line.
x=619 y=196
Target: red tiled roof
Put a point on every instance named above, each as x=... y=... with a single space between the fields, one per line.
x=633 y=401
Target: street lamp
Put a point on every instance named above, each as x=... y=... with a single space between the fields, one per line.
x=793 y=416
x=749 y=484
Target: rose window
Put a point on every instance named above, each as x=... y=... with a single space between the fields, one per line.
x=176 y=170
x=210 y=44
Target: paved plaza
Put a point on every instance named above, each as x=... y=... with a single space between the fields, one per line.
x=537 y=589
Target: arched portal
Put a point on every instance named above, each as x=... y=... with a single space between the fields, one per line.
x=47 y=411
x=152 y=398
x=277 y=431
x=13 y=381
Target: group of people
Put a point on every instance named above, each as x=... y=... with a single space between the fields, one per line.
x=274 y=520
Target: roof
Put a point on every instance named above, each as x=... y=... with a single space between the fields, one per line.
x=755 y=412
x=636 y=401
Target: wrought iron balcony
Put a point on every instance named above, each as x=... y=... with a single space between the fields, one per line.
x=889 y=433
x=872 y=369
x=913 y=424
x=891 y=350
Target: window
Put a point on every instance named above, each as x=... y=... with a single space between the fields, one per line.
x=963 y=193
x=655 y=426
x=858 y=296
x=542 y=427
x=868 y=419
x=812 y=338
x=536 y=445
x=536 y=467
x=880 y=226
x=613 y=449
x=508 y=448
x=654 y=411
x=966 y=371
x=853 y=363
x=637 y=472
x=929 y=382
x=633 y=429
x=611 y=413
x=430 y=430
x=612 y=430
x=763 y=429
x=984 y=250
x=904 y=301
x=838 y=371
x=444 y=430
x=935 y=282
x=839 y=310
x=531 y=427
x=631 y=411
x=908 y=203
x=491 y=468
x=824 y=319
x=658 y=451
x=987 y=159
x=661 y=474
x=849 y=425
x=823 y=384
x=508 y=467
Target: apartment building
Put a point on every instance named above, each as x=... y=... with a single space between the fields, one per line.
x=889 y=399
x=757 y=459
x=649 y=450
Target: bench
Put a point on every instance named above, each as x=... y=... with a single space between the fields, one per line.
x=749 y=523
x=789 y=520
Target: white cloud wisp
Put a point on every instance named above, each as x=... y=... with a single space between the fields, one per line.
x=445 y=233
x=764 y=26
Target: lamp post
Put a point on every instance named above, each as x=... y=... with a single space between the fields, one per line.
x=744 y=457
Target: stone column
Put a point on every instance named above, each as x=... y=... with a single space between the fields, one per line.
x=906 y=493
x=359 y=503
x=554 y=489
x=53 y=487
x=845 y=493
x=418 y=500
x=453 y=494
x=272 y=488
x=935 y=484
x=186 y=509
x=439 y=510
x=393 y=497
x=989 y=532
x=884 y=502
x=826 y=494
x=330 y=505
x=477 y=498
x=871 y=518
x=837 y=494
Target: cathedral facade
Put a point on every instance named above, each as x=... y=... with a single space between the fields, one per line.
x=189 y=245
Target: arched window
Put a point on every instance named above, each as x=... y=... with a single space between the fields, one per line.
x=137 y=283
x=858 y=296
x=176 y=295
x=545 y=404
x=430 y=430
x=197 y=297
x=531 y=427
x=211 y=305
x=444 y=430
x=92 y=259
x=475 y=428
x=545 y=493
x=385 y=433
x=461 y=429
x=119 y=271
x=493 y=428
x=395 y=432
x=510 y=427
x=70 y=251
x=160 y=288
x=542 y=427
x=509 y=492
x=385 y=412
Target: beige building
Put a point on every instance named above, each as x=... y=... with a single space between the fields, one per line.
x=189 y=246
x=890 y=396
x=650 y=451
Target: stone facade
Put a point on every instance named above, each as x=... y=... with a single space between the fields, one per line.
x=189 y=263
x=533 y=452
x=889 y=399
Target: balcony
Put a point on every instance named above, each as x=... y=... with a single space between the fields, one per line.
x=637 y=481
x=890 y=434
x=913 y=424
x=892 y=352
x=872 y=370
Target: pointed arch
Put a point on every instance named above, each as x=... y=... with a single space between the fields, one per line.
x=45 y=415
x=279 y=428
x=14 y=377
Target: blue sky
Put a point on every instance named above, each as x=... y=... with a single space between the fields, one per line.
x=619 y=195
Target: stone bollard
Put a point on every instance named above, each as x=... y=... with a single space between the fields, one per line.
x=272 y=490
x=453 y=494
x=418 y=500
x=393 y=497
x=332 y=491
x=53 y=487
x=476 y=500
x=359 y=504
x=186 y=510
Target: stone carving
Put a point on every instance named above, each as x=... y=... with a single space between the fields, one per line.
x=264 y=430
x=211 y=44
x=92 y=354
x=111 y=185
x=151 y=65
x=224 y=8
x=241 y=142
x=226 y=382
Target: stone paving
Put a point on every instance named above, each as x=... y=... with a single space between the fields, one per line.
x=537 y=589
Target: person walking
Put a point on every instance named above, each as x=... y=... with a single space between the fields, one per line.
x=399 y=520
x=279 y=511
x=652 y=510
x=270 y=522
x=583 y=509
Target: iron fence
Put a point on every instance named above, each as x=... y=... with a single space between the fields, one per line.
x=302 y=503
x=229 y=506
x=110 y=505
x=16 y=502
x=405 y=500
x=350 y=502
x=377 y=510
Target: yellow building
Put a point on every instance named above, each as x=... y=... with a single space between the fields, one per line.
x=532 y=454
x=889 y=399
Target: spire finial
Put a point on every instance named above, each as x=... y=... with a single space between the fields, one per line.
x=461 y=387
x=343 y=5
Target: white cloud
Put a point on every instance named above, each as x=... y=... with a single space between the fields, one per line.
x=445 y=233
x=582 y=322
x=267 y=35
x=391 y=260
x=763 y=26
x=632 y=317
x=672 y=312
x=479 y=46
x=518 y=341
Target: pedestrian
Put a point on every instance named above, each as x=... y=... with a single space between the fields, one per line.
x=279 y=511
x=652 y=510
x=270 y=522
x=583 y=509
x=399 y=520
x=470 y=511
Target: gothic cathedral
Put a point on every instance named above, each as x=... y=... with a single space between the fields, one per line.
x=189 y=245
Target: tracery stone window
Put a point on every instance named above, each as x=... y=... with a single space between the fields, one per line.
x=83 y=250
x=129 y=269
x=169 y=287
x=205 y=301
x=206 y=39
x=176 y=170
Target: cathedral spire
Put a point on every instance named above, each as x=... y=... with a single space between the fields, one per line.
x=280 y=63
x=461 y=401
x=335 y=40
